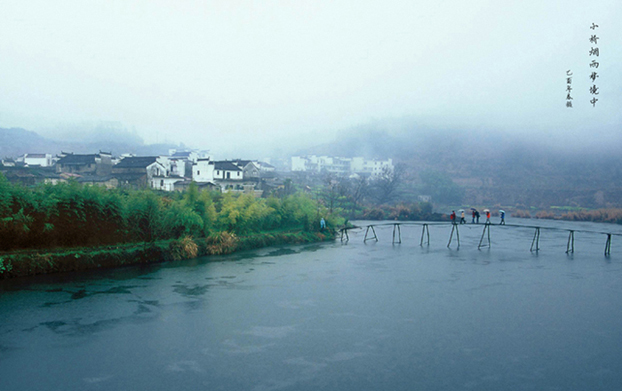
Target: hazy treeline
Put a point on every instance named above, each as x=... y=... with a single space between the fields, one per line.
x=378 y=199
x=70 y=215
x=457 y=167
x=605 y=215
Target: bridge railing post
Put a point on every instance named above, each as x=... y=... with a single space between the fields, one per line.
x=367 y=231
x=570 y=245
x=423 y=231
x=399 y=233
x=454 y=227
x=608 y=245
x=486 y=229
x=536 y=240
x=347 y=238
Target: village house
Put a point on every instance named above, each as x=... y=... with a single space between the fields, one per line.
x=203 y=171
x=31 y=176
x=250 y=169
x=228 y=176
x=8 y=162
x=99 y=164
x=184 y=160
x=340 y=165
x=144 y=171
x=38 y=159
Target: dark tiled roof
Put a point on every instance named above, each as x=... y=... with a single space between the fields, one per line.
x=136 y=162
x=30 y=172
x=226 y=166
x=130 y=177
x=78 y=159
x=181 y=154
x=241 y=162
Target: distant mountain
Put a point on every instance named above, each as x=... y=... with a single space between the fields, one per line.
x=16 y=142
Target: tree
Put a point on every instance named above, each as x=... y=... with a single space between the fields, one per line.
x=386 y=185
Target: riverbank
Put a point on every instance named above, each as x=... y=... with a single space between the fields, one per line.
x=605 y=215
x=33 y=262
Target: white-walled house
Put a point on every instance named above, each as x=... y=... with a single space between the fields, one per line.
x=142 y=171
x=372 y=167
x=38 y=159
x=299 y=163
x=203 y=171
x=165 y=183
x=250 y=169
x=178 y=166
x=225 y=170
x=230 y=177
x=340 y=165
x=190 y=155
x=236 y=175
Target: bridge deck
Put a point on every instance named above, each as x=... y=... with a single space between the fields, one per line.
x=397 y=236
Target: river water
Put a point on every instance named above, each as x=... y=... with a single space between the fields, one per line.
x=355 y=316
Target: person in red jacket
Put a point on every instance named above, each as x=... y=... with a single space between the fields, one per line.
x=452 y=217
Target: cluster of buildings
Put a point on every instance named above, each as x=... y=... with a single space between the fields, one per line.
x=341 y=165
x=175 y=171
x=169 y=173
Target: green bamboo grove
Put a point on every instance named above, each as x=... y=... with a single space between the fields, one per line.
x=73 y=215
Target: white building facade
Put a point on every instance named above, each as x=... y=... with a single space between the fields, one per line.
x=340 y=165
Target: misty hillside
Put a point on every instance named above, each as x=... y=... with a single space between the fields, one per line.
x=492 y=168
x=15 y=142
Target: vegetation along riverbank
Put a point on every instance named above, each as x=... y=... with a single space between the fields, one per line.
x=73 y=227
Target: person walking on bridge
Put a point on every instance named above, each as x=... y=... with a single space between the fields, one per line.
x=452 y=217
x=502 y=214
x=462 y=219
x=487 y=216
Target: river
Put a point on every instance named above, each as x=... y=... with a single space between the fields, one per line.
x=333 y=316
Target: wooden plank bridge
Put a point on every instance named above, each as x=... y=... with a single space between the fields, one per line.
x=370 y=234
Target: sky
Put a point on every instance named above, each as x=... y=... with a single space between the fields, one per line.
x=242 y=75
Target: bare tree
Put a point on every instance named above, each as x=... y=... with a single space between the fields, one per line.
x=359 y=189
x=386 y=185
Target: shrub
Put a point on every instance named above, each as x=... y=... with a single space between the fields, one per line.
x=522 y=214
x=183 y=248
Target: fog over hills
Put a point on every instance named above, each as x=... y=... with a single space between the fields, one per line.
x=16 y=142
x=483 y=167
x=494 y=167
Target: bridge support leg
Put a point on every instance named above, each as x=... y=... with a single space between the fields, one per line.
x=373 y=230
x=486 y=229
x=454 y=227
x=608 y=245
x=536 y=240
x=423 y=231
x=570 y=245
x=399 y=234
